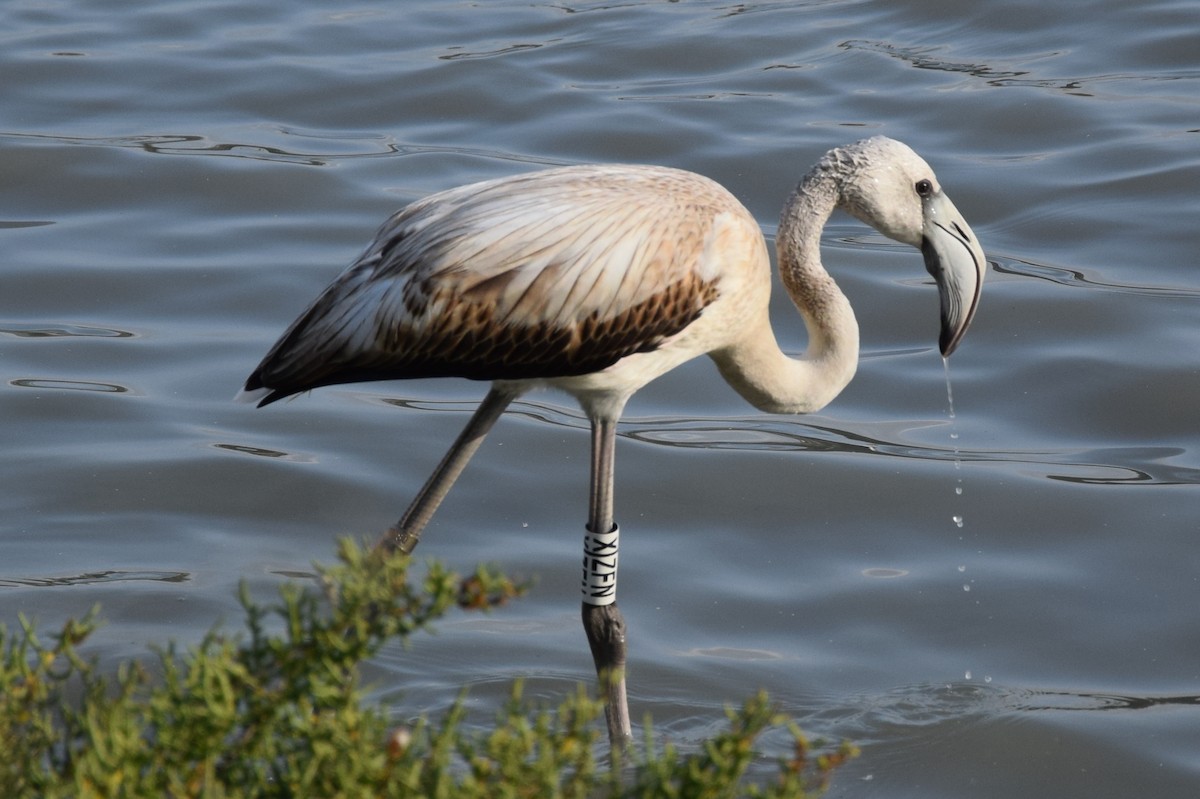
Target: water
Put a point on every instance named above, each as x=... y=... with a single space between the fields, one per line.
x=178 y=180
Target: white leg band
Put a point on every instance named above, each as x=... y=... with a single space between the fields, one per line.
x=600 y=567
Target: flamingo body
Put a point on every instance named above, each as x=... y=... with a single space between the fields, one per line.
x=597 y=279
x=592 y=279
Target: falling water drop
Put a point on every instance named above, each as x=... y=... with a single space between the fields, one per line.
x=957 y=518
x=953 y=432
x=949 y=389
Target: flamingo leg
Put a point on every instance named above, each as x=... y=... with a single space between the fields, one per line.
x=405 y=534
x=602 y=619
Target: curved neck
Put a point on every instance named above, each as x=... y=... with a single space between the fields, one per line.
x=757 y=368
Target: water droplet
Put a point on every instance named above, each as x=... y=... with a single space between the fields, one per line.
x=958 y=520
x=968 y=674
x=949 y=390
x=987 y=678
x=962 y=568
x=958 y=490
x=966 y=587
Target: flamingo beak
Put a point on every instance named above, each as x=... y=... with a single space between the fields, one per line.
x=956 y=261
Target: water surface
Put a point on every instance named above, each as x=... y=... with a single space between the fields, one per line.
x=179 y=180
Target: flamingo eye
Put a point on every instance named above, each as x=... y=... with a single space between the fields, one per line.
x=924 y=188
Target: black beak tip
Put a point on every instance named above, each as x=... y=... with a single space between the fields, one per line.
x=948 y=342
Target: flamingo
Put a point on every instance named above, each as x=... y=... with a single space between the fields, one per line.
x=597 y=279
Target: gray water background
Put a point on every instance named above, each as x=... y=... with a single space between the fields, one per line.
x=178 y=179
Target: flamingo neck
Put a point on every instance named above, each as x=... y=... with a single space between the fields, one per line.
x=757 y=368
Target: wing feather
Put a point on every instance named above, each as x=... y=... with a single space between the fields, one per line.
x=553 y=273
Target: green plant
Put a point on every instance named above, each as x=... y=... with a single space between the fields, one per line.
x=279 y=712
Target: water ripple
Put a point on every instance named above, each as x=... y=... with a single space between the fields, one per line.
x=946 y=707
x=499 y=51
x=1111 y=466
x=263 y=452
x=22 y=330
x=24 y=223
x=1080 y=278
x=346 y=147
x=89 y=578
x=1041 y=700
x=925 y=58
x=69 y=385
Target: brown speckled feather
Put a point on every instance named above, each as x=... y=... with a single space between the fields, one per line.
x=550 y=274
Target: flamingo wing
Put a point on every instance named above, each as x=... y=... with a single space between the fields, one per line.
x=550 y=274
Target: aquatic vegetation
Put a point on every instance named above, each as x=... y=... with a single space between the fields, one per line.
x=278 y=710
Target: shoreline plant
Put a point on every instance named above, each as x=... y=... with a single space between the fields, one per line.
x=278 y=710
